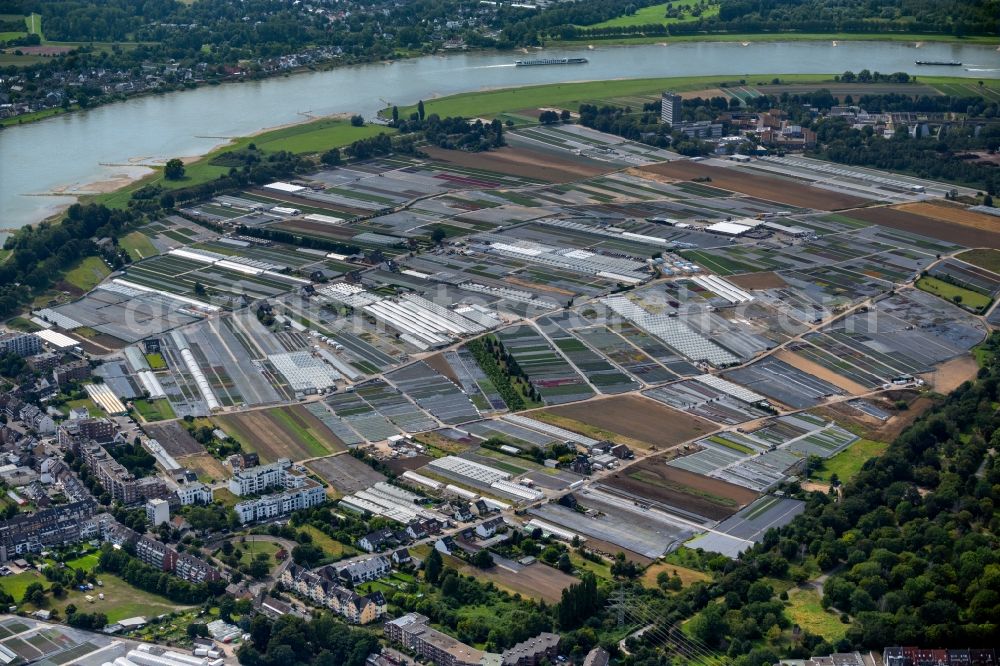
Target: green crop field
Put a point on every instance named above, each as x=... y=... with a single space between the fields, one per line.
x=656 y=14
x=34 y=23
x=156 y=361
x=964 y=297
x=88 y=273
x=154 y=410
x=848 y=462
x=138 y=246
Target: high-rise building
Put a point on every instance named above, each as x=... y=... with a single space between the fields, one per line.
x=670 y=109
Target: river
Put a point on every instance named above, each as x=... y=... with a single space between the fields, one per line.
x=97 y=148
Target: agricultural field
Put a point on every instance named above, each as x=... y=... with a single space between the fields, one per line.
x=929 y=220
x=986 y=259
x=88 y=273
x=772 y=188
x=174 y=439
x=138 y=246
x=207 y=467
x=281 y=432
x=551 y=375
x=971 y=300
x=154 y=410
x=629 y=419
x=652 y=480
x=849 y=462
x=345 y=473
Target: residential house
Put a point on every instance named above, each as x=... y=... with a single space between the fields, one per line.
x=543 y=648
x=362 y=571
x=378 y=540
x=488 y=528
x=445 y=545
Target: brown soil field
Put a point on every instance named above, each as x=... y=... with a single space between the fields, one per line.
x=282 y=432
x=950 y=375
x=520 y=161
x=205 y=466
x=634 y=417
x=930 y=227
x=536 y=581
x=762 y=280
x=901 y=420
x=705 y=496
x=335 y=232
x=810 y=486
x=174 y=439
x=704 y=94
x=686 y=575
x=955 y=213
x=770 y=188
x=817 y=370
x=438 y=363
x=610 y=550
x=400 y=465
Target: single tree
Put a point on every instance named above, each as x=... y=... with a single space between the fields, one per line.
x=420 y=109
x=174 y=169
x=483 y=559
x=432 y=567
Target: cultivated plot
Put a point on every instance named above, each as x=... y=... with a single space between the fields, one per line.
x=281 y=432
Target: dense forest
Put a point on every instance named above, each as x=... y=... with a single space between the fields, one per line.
x=322 y=641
